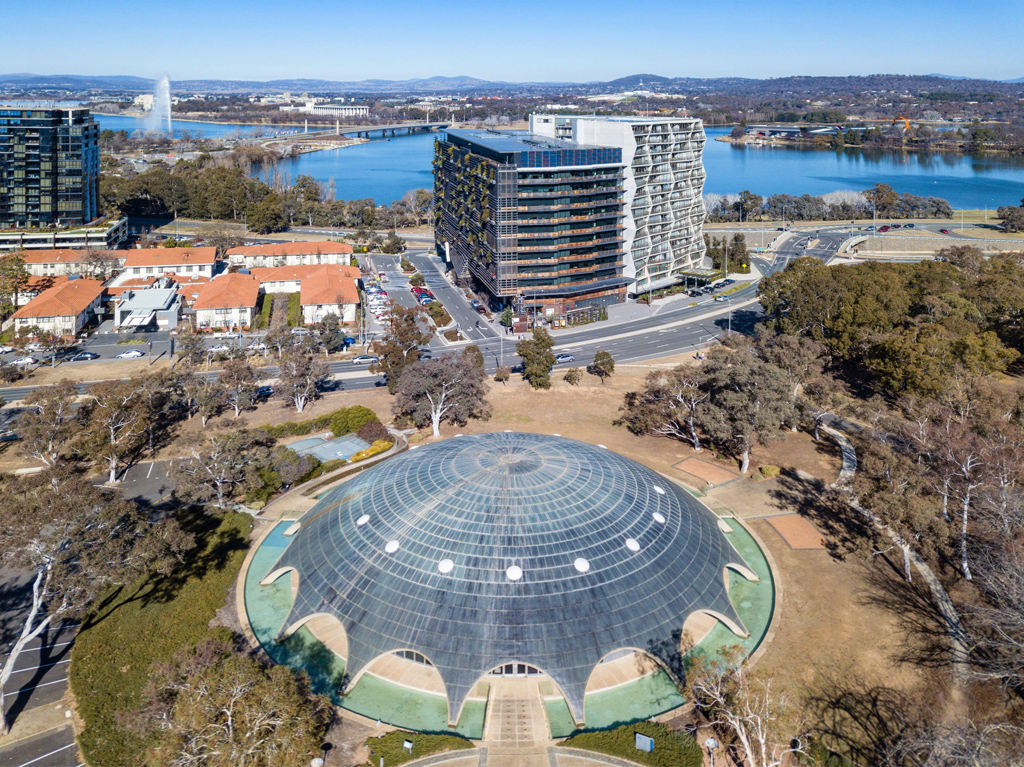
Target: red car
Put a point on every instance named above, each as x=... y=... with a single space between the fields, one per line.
x=943 y=231
x=884 y=228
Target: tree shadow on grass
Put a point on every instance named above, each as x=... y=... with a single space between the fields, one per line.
x=863 y=723
x=919 y=619
x=215 y=547
x=846 y=530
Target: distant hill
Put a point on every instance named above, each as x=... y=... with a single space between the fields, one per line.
x=797 y=85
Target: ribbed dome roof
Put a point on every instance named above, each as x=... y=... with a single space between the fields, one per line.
x=495 y=548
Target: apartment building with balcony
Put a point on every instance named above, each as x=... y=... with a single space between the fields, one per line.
x=663 y=183
x=49 y=167
x=536 y=221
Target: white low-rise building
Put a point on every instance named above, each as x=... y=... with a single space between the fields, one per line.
x=291 y=254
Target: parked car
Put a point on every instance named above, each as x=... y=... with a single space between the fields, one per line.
x=257 y=348
x=82 y=356
x=348 y=341
x=131 y=354
x=559 y=358
x=265 y=392
x=481 y=309
x=365 y=359
x=6 y=349
x=218 y=349
x=25 y=361
x=300 y=331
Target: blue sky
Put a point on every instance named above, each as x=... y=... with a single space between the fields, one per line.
x=514 y=40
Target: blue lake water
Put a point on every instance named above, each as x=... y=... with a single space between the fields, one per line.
x=386 y=170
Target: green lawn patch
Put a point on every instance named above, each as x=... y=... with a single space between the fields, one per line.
x=146 y=622
x=391 y=748
x=671 y=749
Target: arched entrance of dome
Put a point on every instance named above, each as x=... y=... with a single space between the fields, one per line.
x=700 y=622
x=517 y=694
x=404 y=667
x=273 y=576
x=743 y=570
x=622 y=666
x=326 y=628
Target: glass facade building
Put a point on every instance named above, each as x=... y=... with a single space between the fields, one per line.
x=536 y=221
x=49 y=167
x=505 y=552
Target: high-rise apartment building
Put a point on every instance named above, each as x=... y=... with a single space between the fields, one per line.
x=663 y=186
x=535 y=221
x=575 y=212
x=49 y=167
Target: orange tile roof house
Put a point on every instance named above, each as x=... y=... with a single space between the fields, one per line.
x=288 y=279
x=62 y=309
x=323 y=289
x=154 y=262
x=53 y=261
x=329 y=292
x=227 y=301
x=291 y=254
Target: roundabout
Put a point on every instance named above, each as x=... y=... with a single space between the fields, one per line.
x=505 y=571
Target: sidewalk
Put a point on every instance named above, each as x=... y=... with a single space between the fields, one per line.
x=36 y=721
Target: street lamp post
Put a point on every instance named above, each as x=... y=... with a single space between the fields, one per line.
x=711 y=744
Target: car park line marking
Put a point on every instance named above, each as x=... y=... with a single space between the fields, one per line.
x=55 y=751
x=151 y=464
x=44 y=684
x=44 y=665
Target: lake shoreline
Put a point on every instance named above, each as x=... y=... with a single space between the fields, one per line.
x=809 y=145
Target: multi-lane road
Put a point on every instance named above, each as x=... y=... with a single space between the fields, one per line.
x=665 y=330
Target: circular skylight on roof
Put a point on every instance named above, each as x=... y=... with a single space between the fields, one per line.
x=362 y=520
x=445 y=566
x=392 y=547
x=514 y=573
x=632 y=544
x=659 y=517
x=659 y=489
x=581 y=564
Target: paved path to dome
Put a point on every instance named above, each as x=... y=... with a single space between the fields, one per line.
x=515 y=713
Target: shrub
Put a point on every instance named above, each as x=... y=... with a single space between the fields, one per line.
x=671 y=749
x=390 y=746
x=371 y=431
x=147 y=622
x=350 y=419
x=407 y=265
x=380 y=446
x=768 y=471
x=295 y=310
x=572 y=376
x=502 y=374
x=417 y=280
x=263 y=321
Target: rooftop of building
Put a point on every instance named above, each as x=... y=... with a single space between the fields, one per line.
x=67 y=299
x=291 y=249
x=508 y=141
x=328 y=287
x=302 y=272
x=228 y=291
x=169 y=256
x=147 y=299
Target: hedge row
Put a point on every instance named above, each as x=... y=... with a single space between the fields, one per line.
x=671 y=749
x=391 y=746
x=146 y=622
x=343 y=421
x=378 y=447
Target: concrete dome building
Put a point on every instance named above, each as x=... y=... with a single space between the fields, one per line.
x=479 y=552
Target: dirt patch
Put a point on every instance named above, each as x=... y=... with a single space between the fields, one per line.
x=709 y=473
x=797 y=532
